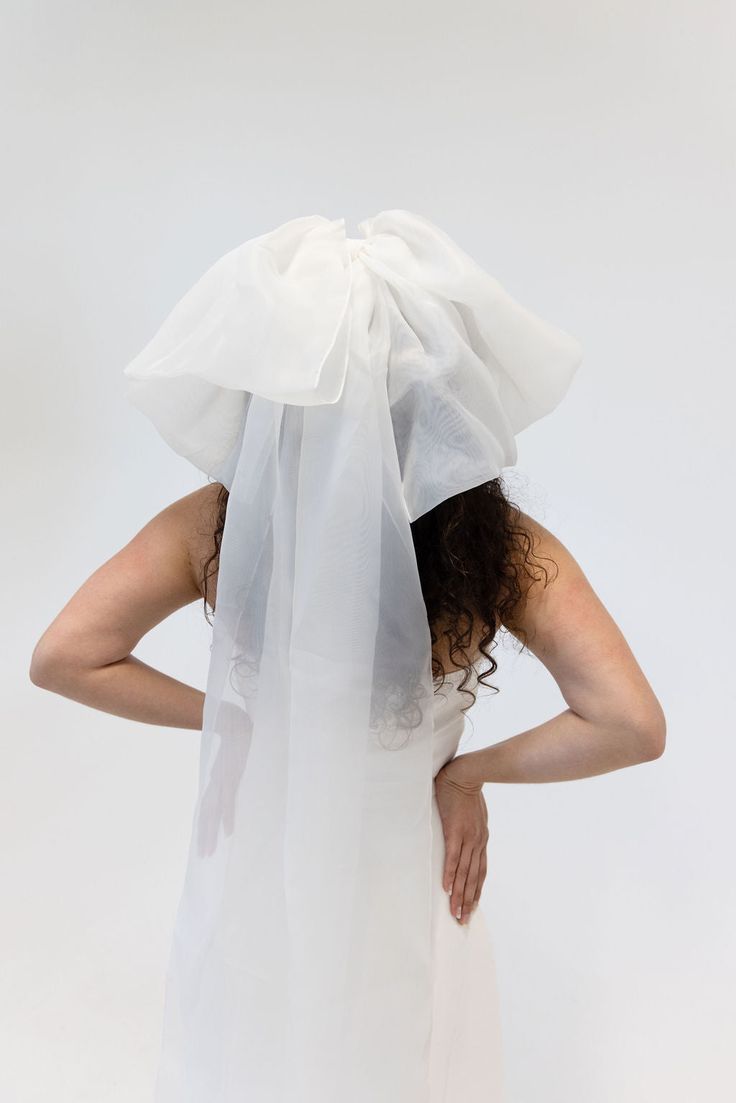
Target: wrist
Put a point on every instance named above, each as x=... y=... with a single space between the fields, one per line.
x=459 y=772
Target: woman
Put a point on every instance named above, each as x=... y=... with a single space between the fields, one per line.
x=349 y=541
x=475 y=556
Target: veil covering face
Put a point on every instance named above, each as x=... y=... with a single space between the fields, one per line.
x=339 y=388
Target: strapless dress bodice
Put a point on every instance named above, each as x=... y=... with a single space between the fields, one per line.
x=449 y=719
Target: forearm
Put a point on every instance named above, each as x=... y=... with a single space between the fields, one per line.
x=565 y=748
x=131 y=689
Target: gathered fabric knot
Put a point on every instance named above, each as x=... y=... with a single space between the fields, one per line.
x=355 y=246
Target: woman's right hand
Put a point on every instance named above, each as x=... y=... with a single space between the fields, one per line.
x=218 y=802
x=464 y=816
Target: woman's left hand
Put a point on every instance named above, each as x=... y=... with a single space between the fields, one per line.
x=464 y=818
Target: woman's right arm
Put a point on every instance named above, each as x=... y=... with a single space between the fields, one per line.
x=613 y=718
x=86 y=652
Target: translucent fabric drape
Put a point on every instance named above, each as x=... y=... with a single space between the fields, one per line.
x=339 y=388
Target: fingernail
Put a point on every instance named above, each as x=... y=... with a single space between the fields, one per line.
x=458 y=913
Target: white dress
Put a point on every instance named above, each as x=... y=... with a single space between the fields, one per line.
x=466 y=1064
x=465 y=1061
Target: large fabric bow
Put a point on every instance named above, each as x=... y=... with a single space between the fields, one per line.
x=275 y=317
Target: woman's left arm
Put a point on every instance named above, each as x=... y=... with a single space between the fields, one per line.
x=85 y=653
x=613 y=718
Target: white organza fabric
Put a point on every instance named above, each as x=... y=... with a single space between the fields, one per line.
x=340 y=388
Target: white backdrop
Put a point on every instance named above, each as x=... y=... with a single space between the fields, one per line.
x=584 y=154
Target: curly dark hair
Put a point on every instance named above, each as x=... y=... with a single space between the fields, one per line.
x=476 y=563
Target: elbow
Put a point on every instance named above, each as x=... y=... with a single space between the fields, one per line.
x=38 y=668
x=50 y=666
x=650 y=734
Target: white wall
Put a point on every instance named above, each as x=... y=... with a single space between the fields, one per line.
x=584 y=153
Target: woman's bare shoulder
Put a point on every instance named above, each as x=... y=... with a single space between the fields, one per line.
x=197 y=517
x=155 y=573
x=547 y=573
x=564 y=623
x=182 y=535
